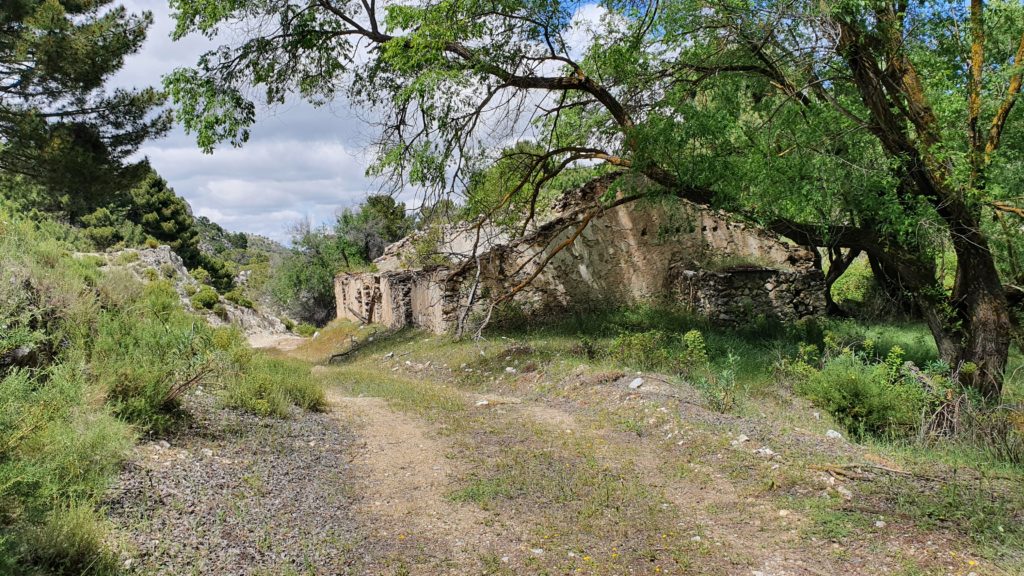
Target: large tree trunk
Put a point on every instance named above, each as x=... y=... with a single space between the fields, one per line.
x=980 y=304
x=972 y=325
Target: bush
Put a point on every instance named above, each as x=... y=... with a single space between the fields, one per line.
x=206 y=298
x=221 y=311
x=201 y=275
x=869 y=399
x=305 y=329
x=644 y=350
x=148 y=355
x=268 y=386
x=238 y=298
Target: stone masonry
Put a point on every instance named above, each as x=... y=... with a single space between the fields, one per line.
x=642 y=251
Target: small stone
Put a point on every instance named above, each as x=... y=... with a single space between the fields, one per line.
x=766 y=452
x=164 y=444
x=740 y=440
x=636 y=383
x=504 y=559
x=817 y=415
x=510 y=370
x=880 y=524
x=482 y=402
x=389 y=355
x=207 y=452
x=783 y=513
x=695 y=539
x=834 y=435
x=128 y=563
x=316 y=335
x=846 y=494
x=537 y=551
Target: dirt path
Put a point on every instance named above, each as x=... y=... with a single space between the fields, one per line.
x=405 y=475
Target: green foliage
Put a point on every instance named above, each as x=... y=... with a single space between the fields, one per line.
x=304 y=329
x=694 y=349
x=60 y=127
x=644 y=350
x=238 y=297
x=270 y=386
x=147 y=355
x=205 y=298
x=109 y=229
x=719 y=386
x=377 y=222
x=869 y=399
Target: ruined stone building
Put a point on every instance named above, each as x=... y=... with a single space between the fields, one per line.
x=648 y=250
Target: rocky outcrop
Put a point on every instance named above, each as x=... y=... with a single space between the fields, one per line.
x=151 y=264
x=644 y=250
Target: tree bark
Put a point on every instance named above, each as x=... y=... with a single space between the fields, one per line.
x=838 y=264
x=980 y=304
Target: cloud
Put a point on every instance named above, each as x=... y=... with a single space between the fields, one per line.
x=301 y=162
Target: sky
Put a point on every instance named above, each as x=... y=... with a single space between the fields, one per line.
x=300 y=163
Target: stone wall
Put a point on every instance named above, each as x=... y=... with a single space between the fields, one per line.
x=740 y=295
x=631 y=253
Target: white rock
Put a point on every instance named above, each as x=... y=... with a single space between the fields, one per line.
x=510 y=370
x=740 y=440
x=766 y=452
x=636 y=383
x=482 y=402
x=880 y=524
x=846 y=494
x=834 y=435
x=207 y=452
x=695 y=539
x=537 y=551
x=164 y=444
x=389 y=355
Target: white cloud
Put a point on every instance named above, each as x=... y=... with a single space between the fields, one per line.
x=301 y=162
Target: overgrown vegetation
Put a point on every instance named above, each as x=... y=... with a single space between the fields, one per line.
x=89 y=360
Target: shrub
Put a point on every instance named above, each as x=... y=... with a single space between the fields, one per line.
x=268 y=386
x=305 y=329
x=151 y=274
x=644 y=350
x=220 y=311
x=152 y=243
x=719 y=387
x=695 y=352
x=289 y=324
x=205 y=298
x=238 y=298
x=869 y=399
x=147 y=356
x=201 y=275
x=168 y=271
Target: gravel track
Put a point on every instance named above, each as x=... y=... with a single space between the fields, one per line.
x=233 y=493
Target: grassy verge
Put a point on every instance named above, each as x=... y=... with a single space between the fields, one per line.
x=91 y=359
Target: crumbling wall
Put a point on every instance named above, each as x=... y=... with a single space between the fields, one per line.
x=631 y=253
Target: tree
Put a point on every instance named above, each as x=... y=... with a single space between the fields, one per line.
x=303 y=281
x=813 y=118
x=57 y=124
x=377 y=222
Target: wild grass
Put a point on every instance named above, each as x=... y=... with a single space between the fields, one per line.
x=92 y=359
x=270 y=386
